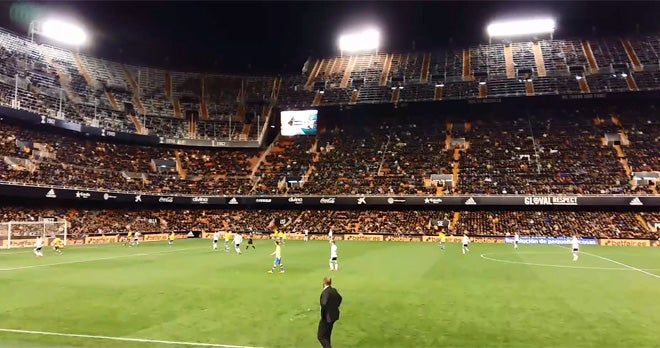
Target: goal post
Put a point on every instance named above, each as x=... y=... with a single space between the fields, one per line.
x=21 y=234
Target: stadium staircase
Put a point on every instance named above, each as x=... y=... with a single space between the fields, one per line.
x=632 y=55
x=643 y=222
x=261 y=159
x=168 y=85
x=111 y=99
x=177 y=108
x=203 y=105
x=538 y=59
x=455 y=166
x=508 y=62
x=483 y=90
x=245 y=131
x=354 y=96
x=313 y=74
x=61 y=73
x=437 y=93
x=395 y=95
x=529 y=87
x=168 y=94
x=584 y=86
x=454 y=221
x=347 y=72
x=623 y=160
x=593 y=65
x=275 y=93
x=179 y=167
x=632 y=85
x=134 y=89
x=192 y=127
x=83 y=71
x=138 y=125
x=467 y=76
x=426 y=64
x=387 y=66
x=317 y=98
x=203 y=110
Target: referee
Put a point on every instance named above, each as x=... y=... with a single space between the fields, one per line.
x=330 y=301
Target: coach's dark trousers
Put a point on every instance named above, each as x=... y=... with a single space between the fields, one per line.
x=324 y=332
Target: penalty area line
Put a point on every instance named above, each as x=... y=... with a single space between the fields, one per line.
x=620 y=263
x=124 y=339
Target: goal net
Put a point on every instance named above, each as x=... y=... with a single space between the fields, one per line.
x=21 y=234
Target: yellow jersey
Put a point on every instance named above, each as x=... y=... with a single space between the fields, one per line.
x=278 y=251
x=172 y=236
x=130 y=234
x=227 y=236
x=442 y=236
x=57 y=242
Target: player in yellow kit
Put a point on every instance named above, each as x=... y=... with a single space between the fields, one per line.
x=443 y=239
x=170 y=239
x=227 y=240
x=129 y=237
x=278 y=258
x=57 y=245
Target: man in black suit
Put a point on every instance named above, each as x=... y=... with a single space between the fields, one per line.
x=330 y=301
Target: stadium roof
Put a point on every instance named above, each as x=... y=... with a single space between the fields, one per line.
x=254 y=37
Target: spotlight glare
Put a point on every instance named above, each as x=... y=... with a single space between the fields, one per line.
x=64 y=32
x=522 y=27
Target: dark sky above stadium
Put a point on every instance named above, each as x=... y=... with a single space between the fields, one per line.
x=274 y=37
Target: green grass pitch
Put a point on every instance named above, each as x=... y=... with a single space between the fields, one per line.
x=395 y=295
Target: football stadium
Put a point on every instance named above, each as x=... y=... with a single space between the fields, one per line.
x=501 y=193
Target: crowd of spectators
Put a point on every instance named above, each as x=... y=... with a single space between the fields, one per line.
x=81 y=163
x=389 y=155
x=598 y=224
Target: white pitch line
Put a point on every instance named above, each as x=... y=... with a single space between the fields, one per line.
x=125 y=339
x=92 y=260
x=483 y=256
x=622 y=264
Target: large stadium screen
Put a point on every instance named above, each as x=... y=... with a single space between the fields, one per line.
x=299 y=122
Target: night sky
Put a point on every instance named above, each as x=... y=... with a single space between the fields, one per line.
x=277 y=37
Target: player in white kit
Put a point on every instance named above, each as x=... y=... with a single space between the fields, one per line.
x=575 y=247
x=465 y=241
x=330 y=235
x=516 y=240
x=238 y=239
x=37 y=247
x=306 y=238
x=216 y=236
x=334 y=265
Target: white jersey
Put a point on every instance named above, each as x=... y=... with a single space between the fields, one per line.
x=333 y=251
x=306 y=232
x=238 y=238
x=39 y=243
x=575 y=244
x=330 y=234
x=216 y=235
x=465 y=240
x=516 y=237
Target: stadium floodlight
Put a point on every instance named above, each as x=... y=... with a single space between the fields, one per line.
x=59 y=30
x=521 y=27
x=367 y=40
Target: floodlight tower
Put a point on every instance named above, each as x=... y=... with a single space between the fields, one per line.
x=366 y=40
x=509 y=29
x=58 y=30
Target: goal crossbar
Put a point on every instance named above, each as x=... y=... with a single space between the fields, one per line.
x=23 y=232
